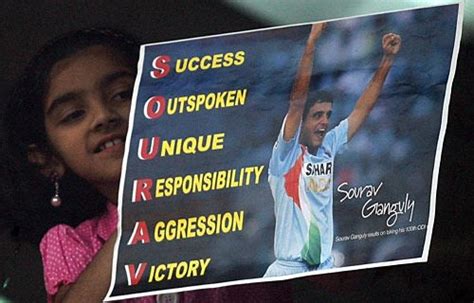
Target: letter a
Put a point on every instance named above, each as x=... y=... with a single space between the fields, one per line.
x=133 y=277
x=140 y=233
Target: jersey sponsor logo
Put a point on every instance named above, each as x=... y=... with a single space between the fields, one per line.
x=318 y=184
x=317 y=169
x=318 y=176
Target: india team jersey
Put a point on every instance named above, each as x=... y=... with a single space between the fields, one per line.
x=302 y=187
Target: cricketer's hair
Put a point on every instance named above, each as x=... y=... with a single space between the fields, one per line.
x=318 y=96
x=25 y=193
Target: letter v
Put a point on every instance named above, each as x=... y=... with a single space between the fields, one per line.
x=378 y=188
x=133 y=277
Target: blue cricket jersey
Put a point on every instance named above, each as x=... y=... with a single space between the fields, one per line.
x=302 y=187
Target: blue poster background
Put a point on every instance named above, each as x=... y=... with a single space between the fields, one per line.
x=397 y=144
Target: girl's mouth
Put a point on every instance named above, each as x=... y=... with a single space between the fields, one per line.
x=109 y=144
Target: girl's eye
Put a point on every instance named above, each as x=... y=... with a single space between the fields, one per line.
x=73 y=116
x=123 y=96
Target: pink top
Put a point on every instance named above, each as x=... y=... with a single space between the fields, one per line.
x=67 y=251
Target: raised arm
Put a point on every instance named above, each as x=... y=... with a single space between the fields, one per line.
x=299 y=92
x=391 y=45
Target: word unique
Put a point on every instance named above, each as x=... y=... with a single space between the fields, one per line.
x=150 y=148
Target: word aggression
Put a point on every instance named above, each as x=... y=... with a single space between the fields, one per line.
x=185 y=228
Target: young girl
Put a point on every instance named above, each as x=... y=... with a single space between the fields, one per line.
x=65 y=126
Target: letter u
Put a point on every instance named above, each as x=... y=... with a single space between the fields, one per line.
x=144 y=151
x=204 y=144
x=181 y=67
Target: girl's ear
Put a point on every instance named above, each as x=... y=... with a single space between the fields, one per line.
x=47 y=163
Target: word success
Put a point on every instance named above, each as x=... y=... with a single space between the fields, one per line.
x=163 y=64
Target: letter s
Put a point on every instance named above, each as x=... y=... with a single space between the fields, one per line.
x=239 y=58
x=160 y=64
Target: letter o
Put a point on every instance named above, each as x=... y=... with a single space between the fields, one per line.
x=154 y=107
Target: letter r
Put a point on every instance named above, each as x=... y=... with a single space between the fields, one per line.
x=141 y=190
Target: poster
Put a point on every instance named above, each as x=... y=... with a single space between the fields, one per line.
x=200 y=206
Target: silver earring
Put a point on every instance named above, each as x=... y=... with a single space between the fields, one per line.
x=56 y=200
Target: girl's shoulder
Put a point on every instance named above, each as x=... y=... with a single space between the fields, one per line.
x=59 y=234
x=63 y=238
x=66 y=251
x=91 y=233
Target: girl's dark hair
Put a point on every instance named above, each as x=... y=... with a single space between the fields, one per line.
x=25 y=192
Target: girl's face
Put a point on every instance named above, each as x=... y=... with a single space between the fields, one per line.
x=86 y=114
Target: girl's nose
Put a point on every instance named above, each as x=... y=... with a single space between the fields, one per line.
x=105 y=117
